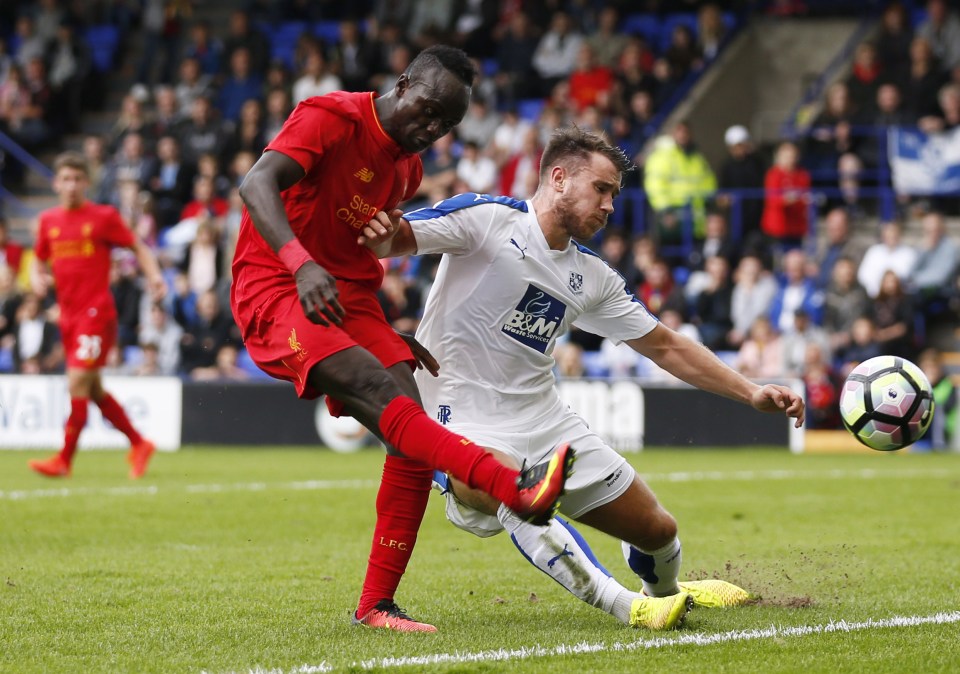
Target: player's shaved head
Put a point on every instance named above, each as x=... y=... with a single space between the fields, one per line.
x=442 y=56
x=572 y=146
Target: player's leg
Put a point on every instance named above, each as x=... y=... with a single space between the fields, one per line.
x=359 y=381
x=557 y=549
x=80 y=383
x=648 y=535
x=141 y=449
x=401 y=503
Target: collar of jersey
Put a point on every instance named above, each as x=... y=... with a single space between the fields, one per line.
x=382 y=137
x=533 y=223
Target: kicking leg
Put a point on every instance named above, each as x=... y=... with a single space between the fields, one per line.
x=141 y=449
x=80 y=385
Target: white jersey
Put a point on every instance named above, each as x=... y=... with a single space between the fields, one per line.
x=500 y=301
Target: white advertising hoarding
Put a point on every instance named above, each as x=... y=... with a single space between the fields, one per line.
x=33 y=410
x=613 y=409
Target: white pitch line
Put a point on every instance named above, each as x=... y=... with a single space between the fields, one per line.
x=320 y=485
x=526 y=653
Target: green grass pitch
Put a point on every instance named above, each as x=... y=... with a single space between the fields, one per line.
x=240 y=560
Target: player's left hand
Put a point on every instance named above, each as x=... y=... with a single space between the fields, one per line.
x=774 y=398
x=423 y=357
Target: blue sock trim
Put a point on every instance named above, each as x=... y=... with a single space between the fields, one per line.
x=441 y=481
x=581 y=541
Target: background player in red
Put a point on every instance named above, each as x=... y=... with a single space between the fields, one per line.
x=74 y=241
x=304 y=296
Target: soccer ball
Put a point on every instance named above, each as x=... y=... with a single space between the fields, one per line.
x=886 y=403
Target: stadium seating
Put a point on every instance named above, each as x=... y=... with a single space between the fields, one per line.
x=103 y=41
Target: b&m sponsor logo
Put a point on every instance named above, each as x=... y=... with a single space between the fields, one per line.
x=536 y=319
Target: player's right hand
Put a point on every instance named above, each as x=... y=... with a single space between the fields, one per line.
x=380 y=229
x=319 y=295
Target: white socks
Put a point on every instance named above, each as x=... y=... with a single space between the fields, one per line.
x=658 y=569
x=564 y=556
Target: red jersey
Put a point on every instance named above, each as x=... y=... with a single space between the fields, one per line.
x=353 y=169
x=77 y=243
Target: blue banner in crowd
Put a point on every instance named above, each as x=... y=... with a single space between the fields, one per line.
x=923 y=163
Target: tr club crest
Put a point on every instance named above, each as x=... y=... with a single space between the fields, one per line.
x=576 y=282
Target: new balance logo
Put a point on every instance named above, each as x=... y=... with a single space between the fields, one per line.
x=563 y=553
x=365 y=174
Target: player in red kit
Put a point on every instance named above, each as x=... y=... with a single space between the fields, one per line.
x=304 y=296
x=74 y=241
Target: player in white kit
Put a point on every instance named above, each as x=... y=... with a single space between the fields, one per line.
x=512 y=280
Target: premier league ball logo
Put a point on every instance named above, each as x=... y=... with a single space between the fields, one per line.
x=576 y=282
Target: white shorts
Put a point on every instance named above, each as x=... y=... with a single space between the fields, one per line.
x=600 y=473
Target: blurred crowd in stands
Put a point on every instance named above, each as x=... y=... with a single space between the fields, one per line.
x=776 y=284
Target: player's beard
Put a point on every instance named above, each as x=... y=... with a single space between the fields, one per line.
x=573 y=224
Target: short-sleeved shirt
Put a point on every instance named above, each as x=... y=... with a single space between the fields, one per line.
x=353 y=169
x=501 y=299
x=76 y=243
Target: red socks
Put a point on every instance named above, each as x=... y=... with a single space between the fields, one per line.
x=407 y=427
x=71 y=432
x=113 y=413
x=401 y=502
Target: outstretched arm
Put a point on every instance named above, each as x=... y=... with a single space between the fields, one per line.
x=151 y=270
x=698 y=366
x=273 y=173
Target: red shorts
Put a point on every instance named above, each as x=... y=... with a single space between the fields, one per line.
x=283 y=342
x=87 y=340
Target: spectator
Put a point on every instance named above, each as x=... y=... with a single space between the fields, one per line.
x=166 y=114
x=132 y=119
x=716 y=242
x=892 y=315
x=556 y=54
x=845 y=301
x=317 y=78
x=203 y=261
x=10 y=299
x=480 y=123
x=131 y=163
x=30 y=44
x=888 y=111
x=516 y=77
x=521 y=173
x=633 y=77
x=753 y=291
x=191 y=84
x=837 y=244
x=713 y=306
x=785 y=208
x=205 y=47
x=743 y=169
x=11 y=252
x=822 y=389
x=936 y=265
x=171 y=182
x=162 y=22
x=70 y=67
x=136 y=206
x=31 y=126
x=943 y=429
x=921 y=79
x=683 y=54
x=865 y=78
x=35 y=339
x=761 y=355
x=278 y=108
x=126 y=291
x=678 y=180
x=796 y=344
x=888 y=254
x=798 y=290
x=476 y=172
x=863 y=346
x=149 y=365
x=711 y=31
x=439 y=171
x=896 y=34
x=401 y=301
x=165 y=334
x=569 y=359
x=242 y=35
x=431 y=22
x=240 y=86
x=352 y=58
x=942 y=31
x=508 y=139
x=202 y=133
x=94 y=152
x=947 y=116
x=830 y=135
x=658 y=291
x=224 y=369
x=206 y=334
x=607 y=42
x=615 y=250
x=590 y=81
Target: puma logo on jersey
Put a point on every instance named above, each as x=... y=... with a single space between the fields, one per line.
x=365 y=174
x=523 y=251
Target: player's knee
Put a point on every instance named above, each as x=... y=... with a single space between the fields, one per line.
x=663 y=528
